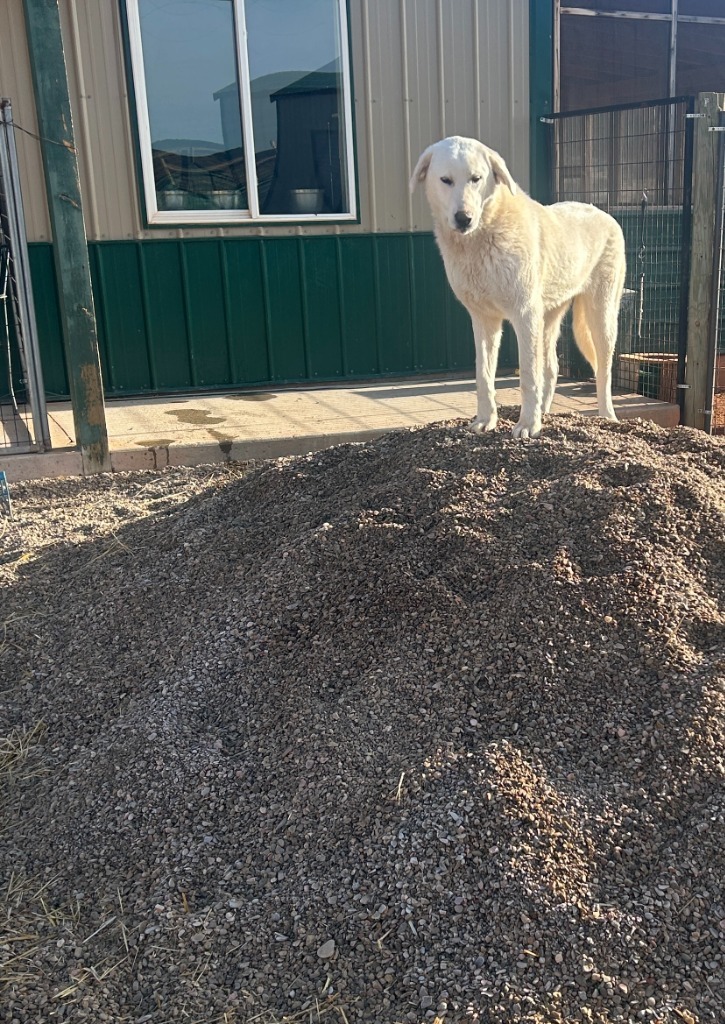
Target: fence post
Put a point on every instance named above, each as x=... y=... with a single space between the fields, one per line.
x=70 y=246
x=704 y=183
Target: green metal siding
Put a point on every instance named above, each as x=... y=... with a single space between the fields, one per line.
x=47 y=314
x=163 y=298
x=360 y=336
x=185 y=314
x=394 y=276
x=209 y=337
x=123 y=333
x=322 y=305
x=282 y=272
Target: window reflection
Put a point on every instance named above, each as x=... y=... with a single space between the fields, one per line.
x=297 y=105
x=192 y=89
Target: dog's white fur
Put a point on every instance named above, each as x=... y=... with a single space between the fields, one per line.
x=510 y=258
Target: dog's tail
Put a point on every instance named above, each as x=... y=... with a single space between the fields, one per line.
x=582 y=334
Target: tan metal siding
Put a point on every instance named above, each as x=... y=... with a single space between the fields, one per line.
x=421 y=69
x=468 y=75
x=101 y=116
x=16 y=84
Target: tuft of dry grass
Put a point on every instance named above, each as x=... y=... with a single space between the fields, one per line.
x=310 y=1014
x=29 y=924
x=14 y=752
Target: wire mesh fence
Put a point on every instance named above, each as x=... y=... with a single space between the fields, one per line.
x=635 y=162
x=15 y=412
x=23 y=418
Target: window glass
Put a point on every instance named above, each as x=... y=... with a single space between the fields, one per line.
x=606 y=61
x=192 y=89
x=298 y=112
x=643 y=6
x=700 y=58
x=703 y=8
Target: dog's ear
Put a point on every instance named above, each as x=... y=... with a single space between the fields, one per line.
x=421 y=168
x=501 y=173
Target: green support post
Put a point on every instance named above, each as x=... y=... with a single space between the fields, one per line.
x=70 y=247
x=541 y=94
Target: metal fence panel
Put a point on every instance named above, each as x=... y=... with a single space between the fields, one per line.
x=635 y=162
x=23 y=416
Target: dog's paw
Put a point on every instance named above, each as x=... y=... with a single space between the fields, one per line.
x=524 y=430
x=481 y=426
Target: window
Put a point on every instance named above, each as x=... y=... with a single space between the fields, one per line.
x=244 y=109
x=626 y=51
x=702 y=8
x=608 y=61
x=700 y=58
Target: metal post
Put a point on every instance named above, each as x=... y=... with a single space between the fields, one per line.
x=70 y=246
x=685 y=258
x=24 y=285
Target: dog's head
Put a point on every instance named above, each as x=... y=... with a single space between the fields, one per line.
x=461 y=176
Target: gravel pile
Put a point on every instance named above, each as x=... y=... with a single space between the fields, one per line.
x=427 y=728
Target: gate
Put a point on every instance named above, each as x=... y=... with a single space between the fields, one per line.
x=635 y=162
x=23 y=415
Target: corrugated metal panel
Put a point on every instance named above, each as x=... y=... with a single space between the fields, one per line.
x=422 y=69
x=200 y=313
x=431 y=68
x=47 y=315
x=101 y=117
x=16 y=83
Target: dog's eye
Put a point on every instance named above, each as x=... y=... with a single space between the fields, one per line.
x=476 y=178
x=447 y=181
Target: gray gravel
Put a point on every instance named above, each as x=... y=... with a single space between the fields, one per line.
x=431 y=727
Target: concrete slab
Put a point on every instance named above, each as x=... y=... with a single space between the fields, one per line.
x=148 y=433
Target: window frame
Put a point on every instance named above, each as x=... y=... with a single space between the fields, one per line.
x=223 y=218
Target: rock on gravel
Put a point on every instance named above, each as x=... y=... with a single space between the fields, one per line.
x=430 y=728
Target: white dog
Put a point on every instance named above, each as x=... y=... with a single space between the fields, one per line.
x=509 y=258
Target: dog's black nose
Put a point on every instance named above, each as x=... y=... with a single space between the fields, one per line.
x=462 y=220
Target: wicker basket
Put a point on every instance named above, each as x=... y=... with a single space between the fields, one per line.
x=650 y=374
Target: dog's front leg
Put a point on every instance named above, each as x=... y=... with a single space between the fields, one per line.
x=529 y=329
x=487 y=338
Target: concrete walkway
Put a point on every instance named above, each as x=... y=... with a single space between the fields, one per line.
x=148 y=433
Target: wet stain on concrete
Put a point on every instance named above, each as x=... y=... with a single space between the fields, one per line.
x=253 y=396
x=225 y=440
x=162 y=442
x=199 y=417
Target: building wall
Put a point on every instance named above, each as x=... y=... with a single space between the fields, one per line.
x=16 y=84
x=422 y=69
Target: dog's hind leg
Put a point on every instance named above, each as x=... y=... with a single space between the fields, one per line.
x=487 y=338
x=552 y=327
x=601 y=312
